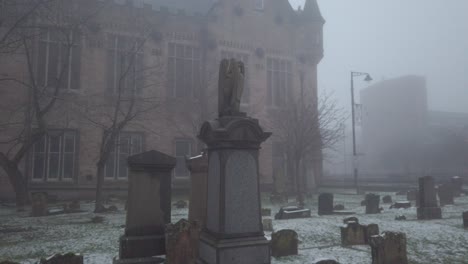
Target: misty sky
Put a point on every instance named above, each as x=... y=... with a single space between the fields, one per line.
x=391 y=38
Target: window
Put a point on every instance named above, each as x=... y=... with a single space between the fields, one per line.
x=58 y=59
x=124 y=65
x=183 y=71
x=279 y=81
x=183 y=148
x=54 y=156
x=245 y=59
x=126 y=144
x=259 y=4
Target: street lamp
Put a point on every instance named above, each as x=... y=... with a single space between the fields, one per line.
x=353 y=114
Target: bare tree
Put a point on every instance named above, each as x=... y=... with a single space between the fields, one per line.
x=306 y=126
x=26 y=120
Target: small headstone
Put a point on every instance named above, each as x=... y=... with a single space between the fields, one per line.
x=284 y=243
x=357 y=234
x=390 y=247
x=372 y=203
x=363 y=203
x=292 y=212
x=412 y=195
x=457 y=183
x=339 y=207
x=387 y=199
x=401 y=204
x=400 y=217
x=39 y=204
x=351 y=219
x=266 y=211
x=465 y=219
x=180 y=204
x=267 y=225
x=325 y=204
x=69 y=258
x=97 y=219
x=428 y=208
x=180 y=243
x=74 y=206
x=445 y=192
x=401 y=193
x=327 y=261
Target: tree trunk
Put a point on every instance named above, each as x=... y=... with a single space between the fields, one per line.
x=17 y=180
x=99 y=206
x=300 y=196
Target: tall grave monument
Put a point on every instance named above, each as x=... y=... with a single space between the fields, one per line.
x=233 y=232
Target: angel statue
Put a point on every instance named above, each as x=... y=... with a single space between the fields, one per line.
x=230 y=87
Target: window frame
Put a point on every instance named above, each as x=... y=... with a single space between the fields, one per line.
x=116 y=155
x=173 y=60
x=277 y=85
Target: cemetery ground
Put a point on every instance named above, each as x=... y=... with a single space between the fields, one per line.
x=26 y=239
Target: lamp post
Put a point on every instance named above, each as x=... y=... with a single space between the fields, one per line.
x=353 y=116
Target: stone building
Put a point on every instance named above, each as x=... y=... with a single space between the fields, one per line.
x=167 y=52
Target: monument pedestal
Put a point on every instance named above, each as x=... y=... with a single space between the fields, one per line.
x=233 y=231
x=428 y=213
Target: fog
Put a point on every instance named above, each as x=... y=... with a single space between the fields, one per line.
x=394 y=38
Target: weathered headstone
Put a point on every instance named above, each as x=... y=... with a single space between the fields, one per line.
x=389 y=248
x=428 y=207
x=292 y=212
x=387 y=199
x=267 y=225
x=338 y=207
x=198 y=167
x=327 y=261
x=445 y=192
x=401 y=204
x=413 y=195
x=69 y=258
x=233 y=232
x=266 y=211
x=357 y=234
x=372 y=203
x=457 y=183
x=465 y=219
x=400 y=217
x=149 y=207
x=39 y=204
x=325 y=204
x=180 y=242
x=284 y=243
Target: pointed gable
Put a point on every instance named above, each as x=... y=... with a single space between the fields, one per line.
x=312 y=11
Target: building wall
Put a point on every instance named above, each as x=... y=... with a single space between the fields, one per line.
x=274 y=32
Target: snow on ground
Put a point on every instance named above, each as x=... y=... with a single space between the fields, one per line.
x=26 y=239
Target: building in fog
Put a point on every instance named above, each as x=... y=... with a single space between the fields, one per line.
x=180 y=44
x=402 y=138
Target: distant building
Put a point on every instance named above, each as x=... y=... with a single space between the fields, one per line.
x=402 y=138
x=186 y=39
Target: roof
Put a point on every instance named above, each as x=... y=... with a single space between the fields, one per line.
x=189 y=7
x=312 y=11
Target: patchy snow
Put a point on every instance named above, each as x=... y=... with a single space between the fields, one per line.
x=26 y=239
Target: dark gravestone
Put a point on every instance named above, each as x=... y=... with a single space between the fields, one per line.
x=325 y=204
x=284 y=243
x=198 y=167
x=457 y=183
x=400 y=217
x=180 y=204
x=401 y=204
x=149 y=207
x=292 y=212
x=445 y=192
x=428 y=208
x=357 y=234
x=389 y=248
x=413 y=195
x=339 y=207
x=267 y=225
x=181 y=242
x=372 y=203
x=39 y=204
x=387 y=199
x=266 y=211
x=465 y=219
x=69 y=258
x=327 y=261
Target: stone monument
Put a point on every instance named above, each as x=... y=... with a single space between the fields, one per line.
x=372 y=203
x=389 y=248
x=233 y=232
x=284 y=243
x=357 y=234
x=428 y=207
x=445 y=193
x=198 y=167
x=325 y=204
x=457 y=183
x=149 y=208
x=39 y=204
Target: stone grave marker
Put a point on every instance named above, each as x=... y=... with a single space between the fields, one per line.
x=267 y=224
x=325 y=204
x=68 y=258
x=149 y=208
x=389 y=248
x=445 y=193
x=457 y=183
x=181 y=242
x=284 y=243
x=401 y=204
x=413 y=195
x=465 y=219
x=372 y=203
x=428 y=207
x=292 y=212
x=357 y=234
x=198 y=167
x=387 y=199
x=39 y=204
x=327 y=261
x=266 y=211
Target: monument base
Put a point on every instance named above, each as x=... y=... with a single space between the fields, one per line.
x=251 y=250
x=132 y=247
x=152 y=260
x=428 y=213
